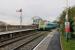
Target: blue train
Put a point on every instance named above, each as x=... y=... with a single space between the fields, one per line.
x=51 y=26
x=47 y=26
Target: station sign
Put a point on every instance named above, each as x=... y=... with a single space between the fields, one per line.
x=67 y=26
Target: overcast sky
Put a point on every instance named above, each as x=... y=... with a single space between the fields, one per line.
x=46 y=9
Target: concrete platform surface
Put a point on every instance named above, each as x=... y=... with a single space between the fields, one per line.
x=8 y=32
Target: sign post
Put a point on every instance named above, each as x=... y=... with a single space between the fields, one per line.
x=67 y=30
x=67 y=23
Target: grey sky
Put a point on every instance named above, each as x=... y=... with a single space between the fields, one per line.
x=46 y=9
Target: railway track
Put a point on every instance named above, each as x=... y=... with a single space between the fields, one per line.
x=31 y=44
x=8 y=41
x=22 y=43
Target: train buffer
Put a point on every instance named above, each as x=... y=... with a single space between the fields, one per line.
x=50 y=42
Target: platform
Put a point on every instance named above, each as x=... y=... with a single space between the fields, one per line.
x=8 y=32
x=51 y=42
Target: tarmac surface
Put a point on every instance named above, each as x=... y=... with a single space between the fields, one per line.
x=51 y=42
x=55 y=42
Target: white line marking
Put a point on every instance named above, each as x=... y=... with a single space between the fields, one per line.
x=44 y=43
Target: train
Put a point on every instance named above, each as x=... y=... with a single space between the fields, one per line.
x=44 y=24
x=47 y=25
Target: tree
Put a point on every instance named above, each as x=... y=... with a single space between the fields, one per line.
x=71 y=15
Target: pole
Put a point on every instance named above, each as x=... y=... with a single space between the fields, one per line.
x=21 y=20
x=67 y=8
x=6 y=27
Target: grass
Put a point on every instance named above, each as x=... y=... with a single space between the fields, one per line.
x=70 y=45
